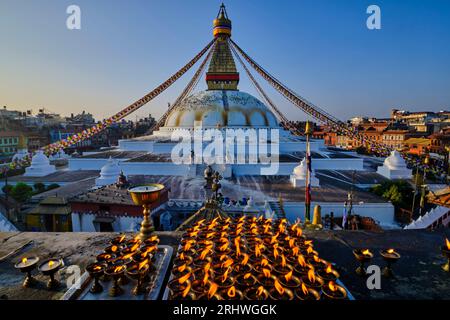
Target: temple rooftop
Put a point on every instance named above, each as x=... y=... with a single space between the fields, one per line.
x=418 y=274
x=60 y=177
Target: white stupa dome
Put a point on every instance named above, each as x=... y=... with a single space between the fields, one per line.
x=224 y=108
x=20 y=155
x=300 y=170
x=298 y=176
x=40 y=166
x=394 y=167
x=395 y=161
x=109 y=173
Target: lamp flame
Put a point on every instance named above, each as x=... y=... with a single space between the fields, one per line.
x=328 y=269
x=205 y=278
x=187 y=246
x=121 y=238
x=182 y=268
x=204 y=253
x=227 y=263
x=288 y=276
x=366 y=252
x=332 y=286
x=142 y=264
x=247 y=275
x=51 y=263
x=301 y=260
x=118 y=269
x=237 y=244
x=283 y=260
x=266 y=272
x=212 y=290
x=390 y=251
x=258 y=250
x=24 y=260
x=275 y=252
x=231 y=292
x=245 y=260
x=184 y=278
x=207 y=267
x=186 y=290
x=291 y=242
x=279 y=287
x=305 y=289
x=311 y=276
x=264 y=262
x=260 y=291
x=447 y=243
x=274 y=238
x=225 y=275
x=224 y=247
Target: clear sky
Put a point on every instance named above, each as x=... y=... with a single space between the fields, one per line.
x=320 y=48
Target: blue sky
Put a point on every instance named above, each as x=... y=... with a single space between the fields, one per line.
x=320 y=48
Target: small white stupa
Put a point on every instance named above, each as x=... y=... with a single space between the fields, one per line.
x=109 y=174
x=298 y=176
x=250 y=207
x=394 y=167
x=60 y=155
x=20 y=155
x=40 y=166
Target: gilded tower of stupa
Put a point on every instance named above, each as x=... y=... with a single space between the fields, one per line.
x=222 y=73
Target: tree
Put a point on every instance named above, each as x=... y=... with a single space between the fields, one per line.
x=7 y=189
x=39 y=187
x=21 y=192
x=399 y=192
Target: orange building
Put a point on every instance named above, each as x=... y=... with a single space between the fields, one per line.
x=417 y=146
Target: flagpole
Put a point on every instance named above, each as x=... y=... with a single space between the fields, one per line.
x=308 y=131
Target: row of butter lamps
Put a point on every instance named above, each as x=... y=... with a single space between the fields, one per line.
x=48 y=268
x=390 y=256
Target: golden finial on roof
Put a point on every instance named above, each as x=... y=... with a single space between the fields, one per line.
x=222 y=25
x=308 y=128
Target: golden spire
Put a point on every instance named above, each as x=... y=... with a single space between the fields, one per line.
x=222 y=73
x=308 y=128
x=222 y=25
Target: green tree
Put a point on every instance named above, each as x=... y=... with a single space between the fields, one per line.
x=7 y=188
x=21 y=192
x=39 y=187
x=399 y=192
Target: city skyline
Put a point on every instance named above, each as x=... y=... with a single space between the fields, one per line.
x=122 y=52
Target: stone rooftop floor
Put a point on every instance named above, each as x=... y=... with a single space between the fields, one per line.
x=261 y=188
x=418 y=273
x=61 y=176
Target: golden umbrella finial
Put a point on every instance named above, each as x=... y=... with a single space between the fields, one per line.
x=308 y=128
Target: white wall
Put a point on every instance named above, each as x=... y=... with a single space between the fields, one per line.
x=286 y=168
x=121 y=224
x=381 y=212
x=89 y=164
